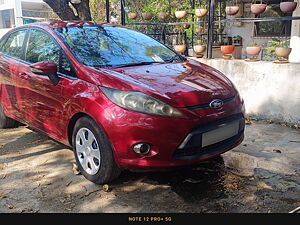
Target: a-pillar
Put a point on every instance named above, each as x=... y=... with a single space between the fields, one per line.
x=295 y=38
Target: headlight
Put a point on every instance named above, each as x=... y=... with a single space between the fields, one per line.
x=140 y=102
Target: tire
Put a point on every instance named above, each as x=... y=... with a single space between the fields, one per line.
x=93 y=152
x=6 y=122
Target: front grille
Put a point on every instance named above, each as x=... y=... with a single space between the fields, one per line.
x=191 y=147
x=205 y=106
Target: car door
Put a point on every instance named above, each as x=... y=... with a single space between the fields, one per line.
x=45 y=105
x=12 y=84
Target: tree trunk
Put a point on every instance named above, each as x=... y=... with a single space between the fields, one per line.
x=62 y=9
x=65 y=12
x=83 y=10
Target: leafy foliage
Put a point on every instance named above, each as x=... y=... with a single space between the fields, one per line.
x=270 y=46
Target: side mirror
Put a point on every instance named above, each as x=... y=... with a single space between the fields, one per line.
x=46 y=69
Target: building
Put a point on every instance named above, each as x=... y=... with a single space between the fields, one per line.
x=262 y=32
x=18 y=12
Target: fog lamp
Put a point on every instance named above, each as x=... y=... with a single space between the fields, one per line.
x=141 y=148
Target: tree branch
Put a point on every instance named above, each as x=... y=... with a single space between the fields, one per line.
x=62 y=9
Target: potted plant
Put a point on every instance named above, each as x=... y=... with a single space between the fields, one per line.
x=227 y=49
x=258 y=8
x=199 y=48
x=147 y=15
x=232 y=9
x=288 y=6
x=201 y=12
x=278 y=49
x=199 y=29
x=163 y=15
x=283 y=51
x=253 y=50
x=132 y=15
x=165 y=9
x=180 y=46
x=180 y=14
x=134 y=7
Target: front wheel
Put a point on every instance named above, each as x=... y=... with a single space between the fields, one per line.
x=93 y=152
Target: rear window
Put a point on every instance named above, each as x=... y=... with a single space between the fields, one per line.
x=14 y=44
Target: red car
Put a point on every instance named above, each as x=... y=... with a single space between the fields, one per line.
x=121 y=99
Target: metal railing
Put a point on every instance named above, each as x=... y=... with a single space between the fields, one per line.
x=161 y=31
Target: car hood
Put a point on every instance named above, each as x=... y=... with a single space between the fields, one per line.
x=183 y=84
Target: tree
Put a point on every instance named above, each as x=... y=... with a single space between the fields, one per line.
x=66 y=10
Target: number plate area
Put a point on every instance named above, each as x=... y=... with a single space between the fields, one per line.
x=222 y=133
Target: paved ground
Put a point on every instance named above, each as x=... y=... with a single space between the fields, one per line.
x=260 y=176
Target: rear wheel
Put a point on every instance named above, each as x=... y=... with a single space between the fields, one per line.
x=93 y=152
x=6 y=122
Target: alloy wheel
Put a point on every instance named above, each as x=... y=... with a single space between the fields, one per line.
x=87 y=150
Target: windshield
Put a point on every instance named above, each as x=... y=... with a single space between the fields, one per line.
x=114 y=46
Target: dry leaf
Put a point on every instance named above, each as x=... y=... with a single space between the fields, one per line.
x=67 y=185
x=75 y=169
x=9 y=206
x=276 y=150
x=90 y=192
x=247 y=122
x=193 y=181
x=2 y=196
x=106 y=188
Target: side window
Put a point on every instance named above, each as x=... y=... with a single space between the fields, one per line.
x=42 y=48
x=14 y=44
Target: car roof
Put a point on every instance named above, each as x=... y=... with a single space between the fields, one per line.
x=58 y=24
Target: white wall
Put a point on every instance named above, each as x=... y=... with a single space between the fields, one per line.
x=4 y=31
x=295 y=38
x=8 y=4
x=270 y=90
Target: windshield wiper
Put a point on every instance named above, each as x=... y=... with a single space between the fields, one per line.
x=109 y=66
x=175 y=58
x=134 y=64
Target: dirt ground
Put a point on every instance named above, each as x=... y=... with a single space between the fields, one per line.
x=259 y=176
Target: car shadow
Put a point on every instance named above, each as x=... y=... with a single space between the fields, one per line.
x=192 y=183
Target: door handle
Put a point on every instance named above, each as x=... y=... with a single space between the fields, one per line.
x=23 y=76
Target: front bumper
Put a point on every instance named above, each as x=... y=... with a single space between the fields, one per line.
x=167 y=137
x=191 y=147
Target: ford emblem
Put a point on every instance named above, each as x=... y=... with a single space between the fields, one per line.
x=216 y=104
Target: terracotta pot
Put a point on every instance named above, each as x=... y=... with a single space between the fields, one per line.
x=253 y=51
x=232 y=10
x=201 y=12
x=147 y=16
x=283 y=51
x=288 y=7
x=180 y=14
x=227 y=49
x=132 y=16
x=199 y=29
x=162 y=15
x=199 y=48
x=258 y=8
x=180 y=48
